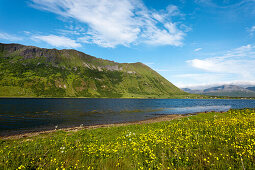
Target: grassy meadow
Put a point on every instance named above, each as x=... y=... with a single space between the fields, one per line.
x=204 y=141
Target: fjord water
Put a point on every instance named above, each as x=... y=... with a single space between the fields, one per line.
x=31 y=113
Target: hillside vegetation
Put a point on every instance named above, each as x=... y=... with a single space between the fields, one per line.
x=28 y=71
x=205 y=141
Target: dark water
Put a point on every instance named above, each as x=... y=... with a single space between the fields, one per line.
x=20 y=114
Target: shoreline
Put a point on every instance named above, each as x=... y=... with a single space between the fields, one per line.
x=16 y=134
x=187 y=97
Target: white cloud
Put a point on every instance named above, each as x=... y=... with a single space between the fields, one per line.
x=58 y=41
x=112 y=22
x=27 y=32
x=239 y=63
x=197 y=49
x=251 y=30
x=9 y=37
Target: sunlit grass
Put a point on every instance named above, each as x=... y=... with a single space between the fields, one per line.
x=208 y=140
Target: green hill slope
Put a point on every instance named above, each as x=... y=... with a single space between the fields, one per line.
x=28 y=71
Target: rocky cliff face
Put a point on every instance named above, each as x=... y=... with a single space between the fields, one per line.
x=39 y=72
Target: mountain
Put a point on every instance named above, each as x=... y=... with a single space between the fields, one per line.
x=224 y=90
x=229 y=90
x=251 y=88
x=28 y=71
x=188 y=90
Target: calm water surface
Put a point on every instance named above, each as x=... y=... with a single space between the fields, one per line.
x=20 y=114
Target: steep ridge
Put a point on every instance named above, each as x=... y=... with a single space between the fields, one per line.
x=28 y=71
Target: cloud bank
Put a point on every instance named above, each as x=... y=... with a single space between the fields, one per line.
x=239 y=61
x=109 y=23
x=236 y=65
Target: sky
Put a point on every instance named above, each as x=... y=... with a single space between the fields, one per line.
x=191 y=43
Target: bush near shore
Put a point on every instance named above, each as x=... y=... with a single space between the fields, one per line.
x=204 y=141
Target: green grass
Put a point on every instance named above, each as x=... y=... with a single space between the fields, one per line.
x=205 y=141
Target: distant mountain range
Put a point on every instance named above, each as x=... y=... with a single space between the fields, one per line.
x=251 y=88
x=28 y=71
x=225 y=90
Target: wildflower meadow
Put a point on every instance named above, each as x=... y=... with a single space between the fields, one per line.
x=203 y=141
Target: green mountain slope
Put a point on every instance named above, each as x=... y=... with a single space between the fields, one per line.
x=28 y=71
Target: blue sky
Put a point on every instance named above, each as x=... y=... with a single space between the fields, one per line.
x=191 y=43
